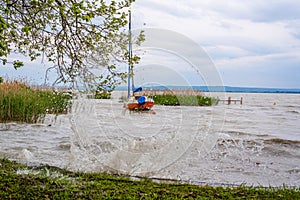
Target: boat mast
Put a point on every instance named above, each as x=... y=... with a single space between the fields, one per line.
x=129 y=56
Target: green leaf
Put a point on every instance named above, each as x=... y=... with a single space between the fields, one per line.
x=17 y=64
x=26 y=29
x=4 y=61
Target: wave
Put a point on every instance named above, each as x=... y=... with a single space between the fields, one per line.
x=282 y=147
x=258 y=145
x=267 y=141
x=241 y=133
x=292 y=106
x=274 y=141
x=293 y=111
x=7 y=126
x=282 y=142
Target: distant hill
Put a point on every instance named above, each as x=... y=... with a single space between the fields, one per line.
x=246 y=89
x=224 y=89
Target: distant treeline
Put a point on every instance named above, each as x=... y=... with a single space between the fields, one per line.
x=221 y=89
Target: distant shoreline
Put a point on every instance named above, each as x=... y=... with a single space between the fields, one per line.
x=228 y=89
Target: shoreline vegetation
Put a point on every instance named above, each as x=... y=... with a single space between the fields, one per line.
x=21 y=103
x=20 y=181
x=177 y=97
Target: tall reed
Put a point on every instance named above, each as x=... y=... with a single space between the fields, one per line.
x=19 y=102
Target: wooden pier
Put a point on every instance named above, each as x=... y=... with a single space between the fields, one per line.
x=231 y=101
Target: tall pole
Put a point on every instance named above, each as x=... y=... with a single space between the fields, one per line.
x=129 y=55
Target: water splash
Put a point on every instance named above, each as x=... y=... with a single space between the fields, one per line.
x=136 y=143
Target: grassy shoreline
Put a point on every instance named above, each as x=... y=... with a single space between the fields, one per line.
x=18 y=181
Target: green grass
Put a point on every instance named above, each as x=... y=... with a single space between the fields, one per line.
x=45 y=182
x=183 y=100
x=20 y=103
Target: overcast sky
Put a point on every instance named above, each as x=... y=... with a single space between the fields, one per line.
x=251 y=43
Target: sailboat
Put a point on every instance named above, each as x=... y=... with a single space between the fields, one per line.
x=136 y=101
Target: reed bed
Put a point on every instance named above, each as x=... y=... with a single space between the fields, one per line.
x=21 y=103
x=183 y=100
x=186 y=97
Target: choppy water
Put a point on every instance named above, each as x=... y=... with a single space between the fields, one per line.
x=256 y=143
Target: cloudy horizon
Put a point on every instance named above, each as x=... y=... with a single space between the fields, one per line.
x=252 y=43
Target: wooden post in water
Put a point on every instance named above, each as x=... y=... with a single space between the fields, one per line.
x=229 y=100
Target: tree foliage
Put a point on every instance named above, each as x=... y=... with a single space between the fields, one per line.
x=77 y=36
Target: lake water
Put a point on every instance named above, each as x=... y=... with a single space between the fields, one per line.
x=256 y=143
